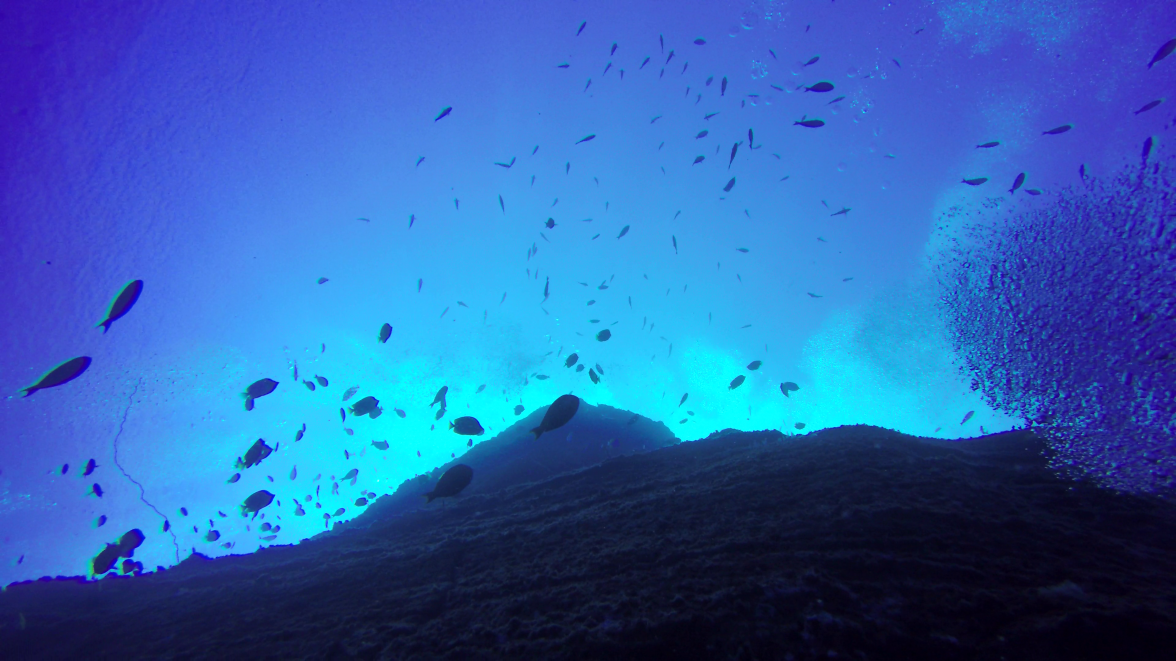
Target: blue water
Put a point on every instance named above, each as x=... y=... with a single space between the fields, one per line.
x=231 y=156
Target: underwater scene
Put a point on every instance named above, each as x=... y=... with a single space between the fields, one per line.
x=588 y=329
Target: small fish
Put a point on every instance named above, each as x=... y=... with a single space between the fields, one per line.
x=643 y=63
x=399 y=412
x=697 y=160
x=742 y=249
x=754 y=365
x=1164 y=51
x=506 y=165
x=565 y=65
x=541 y=377
x=572 y=358
x=322 y=380
x=1149 y=106
x=674 y=239
x=582 y=26
x=96 y=489
x=683 y=400
x=734 y=148
x=101 y=521
x=812 y=295
x=729 y=186
x=380 y=445
x=988 y=145
x=309 y=386
x=121 y=304
x=701 y=134
x=1056 y=131
x=723 y=87
x=822 y=86
x=1033 y=191
x=974 y=182
x=614 y=49
x=813 y=60
x=603 y=335
x=234 y=478
x=418 y=164
x=799 y=425
x=211 y=536
x=736 y=382
x=586 y=138
x=501 y=204
x=967 y=417
x=62 y=374
x=466 y=426
x=624 y=231
x=64 y=469
x=809 y=123
x=840 y=98
x=445 y=112
x=1017 y=182
x=788 y=387
x=350 y=393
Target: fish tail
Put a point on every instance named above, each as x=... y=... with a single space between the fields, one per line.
x=104 y=325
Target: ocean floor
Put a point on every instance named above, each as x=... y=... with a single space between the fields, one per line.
x=847 y=543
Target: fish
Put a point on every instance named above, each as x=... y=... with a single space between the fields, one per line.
x=1059 y=130
x=121 y=304
x=561 y=411
x=822 y=86
x=105 y=560
x=62 y=374
x=588 y=85
x=683 y=400
x=988 y=145
x=734 y=148
x=466 y=425
x=643 y=63
x=586 y=138
x=707 y=117
x=1149 y=106
x=420 y=283
x=300 y=433
x=351 y=475
x=702 y=134
x=260 y=388
x=809 y=123
x=674 y=240
x=350 y=392
x=380 y=445
x=64 y=469
x=1164 y=51
x=342 y=414
x=166 y=525
x=624 y=231
x=90 y=466
x=440 y=397
x=339 y=512
x=266 y=527
x=211 y=536
x=234 y=478
x=96 y=489
x=670 y=57
x=700 y=42
x=967 y=417
x=130 y=541
x=452 y=482
x=480 y=388
x=322 y=281
x=255 y=454
x=549 y=224
x=445 y=112
x=1147 y=148
x=603 y=335
x=361 y=502
x=365 y=406
x=582 y=26
x=614 y=49
x=723 y=87
x=736 y=382
x=974 y=182
x=184 y=511
x=799 y=425
x=698 y=159
x=542 y=377
x=572 y=358
x=501 y=204
x=385 y=333
x=754 y=365
x=813 y=60
x=729 y=186
x=1033 y=191
x=788 y=387
x=507 y=166
x=399 y=412
x=101 y=521
x=1017 y=182
x=418 y=164
x=592 y=375
x=565 y=65
x=742 y=249
x=812 y=295
x=322 y=380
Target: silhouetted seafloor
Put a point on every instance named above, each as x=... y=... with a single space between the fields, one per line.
x=850 y=543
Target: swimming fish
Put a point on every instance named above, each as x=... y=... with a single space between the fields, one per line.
x=259 y=388
x=603 y=335
x=624 y=231
x=90 y=466
x=967 y=417
x=558 y=414
x=445 y=112
x=729 y=186
x=451 y=483
x=365 y=406
x=822 y=86
x=322 y=380
x=592 y=376
x=788 y=387
x=255 y=454
x=809 y=123
x=1017 y=182
x=518 y=409
x=440 y=397
x=466 y=426
x=257 y=501
x=351 y=474
x=988 y=145
x=572 y=358
x=350 y=392
x=736 y=382
x=974 y=182
x=122 y=303
x=234 y=478
x=63 y=373
x=1164 y=51
x=586 y=138
x=380 y=445
x=385 y=333
x=1149 y=106
x=754 y=365
x=1056 y=131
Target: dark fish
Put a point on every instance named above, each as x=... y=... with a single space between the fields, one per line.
x=294 y=473
x=701 y=134
x=1147 y=148
x=565 y=65
x=350 y=393
x=643 y=63
x=799 y=425
x=974 y=182
x=698 y=159
x=683 y=400
x=813 y=60
x=101 y=521
x=967 y=417
x=670 y=57
x=122 y=303
x=550 y=223
x=248 y=403
x=674 y=240
x=322 y=380
x=466 y=426
x=64 y=469
x=788 y=387
x=572 y=358
x=586 y=138
x=729 y=186
x=603 y=335
x=1061 y=129
x=501 y=204
x=96 y=490
x=592 y=375
x=440 y=397
x=399 y=412
x=624 y=231
x=211 y=536
x=822 y=86
x=380 y=445
x=1164 y=51
x=988 y=145
x=351 y=475
x=322 y=281
x=90 y=466
x=446 y=111
x=385 y=333
x=361 y=502
x=582 y=25
x=558 y=414
x=480 y=388
x=1017 y=182
x=260 y=388
x=734 y=148
x=809 y=123
x=451 y=483
x=1149 y=106
x=63 y=373
x=542 y=377
x=580 y=367
x=130 y=541
x=812 y=295
x=105 y=560
x=309 y=385
x=700 y=42
x=1033 y=191
x=418 y=164
x=844 y=211
x=234 y=478
x=365 y=406
x=440 y=413
x=184 y=511
x=736 y=382
x=166 y=525
x=518 y=409
x=723 y=87
x=342 y=414
x=754 y=365
x=255 y=454
x=614 y=49
x=840 y=98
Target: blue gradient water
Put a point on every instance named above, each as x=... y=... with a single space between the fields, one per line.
x=232 y=156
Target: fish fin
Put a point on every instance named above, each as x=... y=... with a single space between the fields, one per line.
x=104 y=325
